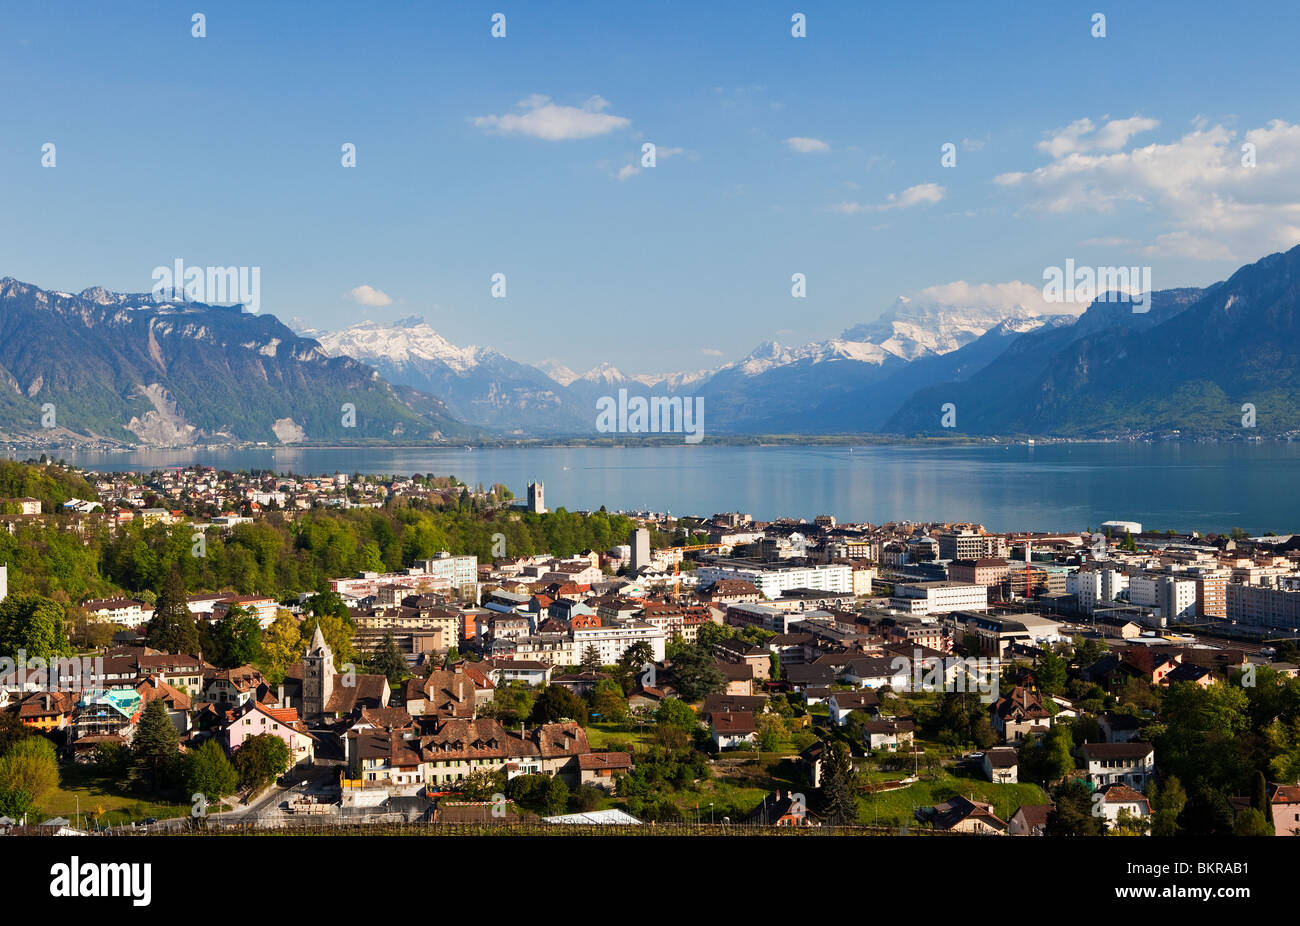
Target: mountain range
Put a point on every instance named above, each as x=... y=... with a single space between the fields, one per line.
x=124 y=368
x=849 y=383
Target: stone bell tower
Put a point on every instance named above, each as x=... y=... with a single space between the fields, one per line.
x=317 y=677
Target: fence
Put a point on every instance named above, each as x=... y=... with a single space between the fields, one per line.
x=317 y=827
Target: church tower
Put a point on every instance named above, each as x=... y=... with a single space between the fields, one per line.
x=317 y=677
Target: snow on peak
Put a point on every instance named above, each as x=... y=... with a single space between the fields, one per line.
x=401 y=343
x=557 y=371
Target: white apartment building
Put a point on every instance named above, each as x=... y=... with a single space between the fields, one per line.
x=551 y=648
x=125 y=611
x=1264 y=606
x=613 y=638
x=460 y=571
x=1172 y=597
x=967 y=544
x=939 y=597
x=775 y=579
x=1095 y=587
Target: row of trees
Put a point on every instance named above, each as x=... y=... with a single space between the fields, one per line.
x=69 y=557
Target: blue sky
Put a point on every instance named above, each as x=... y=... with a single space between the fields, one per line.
x=477 y=155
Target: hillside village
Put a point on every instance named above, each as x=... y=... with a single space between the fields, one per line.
x=720 y=671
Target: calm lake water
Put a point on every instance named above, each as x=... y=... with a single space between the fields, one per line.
x=1048 y=487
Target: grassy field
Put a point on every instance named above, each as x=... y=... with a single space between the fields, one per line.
x=895 y=807
x=98 y=792
x=619 y=737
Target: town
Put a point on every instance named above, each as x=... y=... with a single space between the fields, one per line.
x=198 y=650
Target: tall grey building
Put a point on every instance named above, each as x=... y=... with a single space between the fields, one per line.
x=537 y=497
x=639 y=540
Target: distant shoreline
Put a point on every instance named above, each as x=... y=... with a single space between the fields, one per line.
x=758 y=440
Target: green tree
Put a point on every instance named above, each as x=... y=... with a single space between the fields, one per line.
x=511 y=704
x=1088 y=650
x=237 y=636
x=112 y=759
x=1250 y=822
x=673 y=712
x=337 y=632
x=173 y=628
x=16 y=803
x=1052 y=674
x=155 y=750
x=29 y=770
x=607 y=700
x=1072 y=815
x=389 y=661
x=771 y=732
x=1167 y=802
x=1259 y=793
x=482 y=784
x=209 y=772
x=33 y=624
x=635 y=657
x=557 y=703
x=840 y=785
x=282 y=646
x=696 y=673
x=557 y=795
x=586 y=798
x=535 y=792
x=260 y=760
x=1056 y=761
x=710 y=635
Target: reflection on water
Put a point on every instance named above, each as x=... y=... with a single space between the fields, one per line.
x=1045 y=487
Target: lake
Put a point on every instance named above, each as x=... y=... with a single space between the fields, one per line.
x=1048 y=487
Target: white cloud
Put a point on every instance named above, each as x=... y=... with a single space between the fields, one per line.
x=539 y=117
x=1081 y=135
x=807 y=145
x=923 y=194
x=628 y=170
x=368 y=295
x=711 y=351
x=1005 y=296
x=1212 y=204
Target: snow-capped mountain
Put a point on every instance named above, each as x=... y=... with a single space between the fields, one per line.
x=606 y=379
x=478 y=384
x=828 y=384
x=909 y=329
x=407 y=342
x=557 y=371
x=856 y=380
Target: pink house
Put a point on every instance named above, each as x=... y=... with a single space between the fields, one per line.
x=253 y=719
